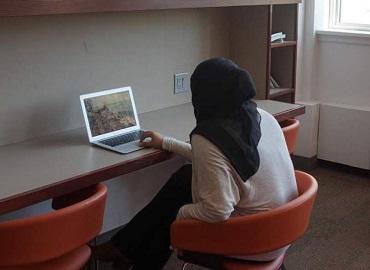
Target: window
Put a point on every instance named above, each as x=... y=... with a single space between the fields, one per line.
x=350 y=14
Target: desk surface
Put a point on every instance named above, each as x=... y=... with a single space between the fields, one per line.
x=46 y=167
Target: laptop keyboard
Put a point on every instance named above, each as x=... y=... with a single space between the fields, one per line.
x=126 y=138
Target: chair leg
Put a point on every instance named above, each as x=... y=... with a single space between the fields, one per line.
x=91 y=265
x=94 y=263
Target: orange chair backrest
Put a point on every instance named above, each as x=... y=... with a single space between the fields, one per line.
x=48 y=236
x=290 y=129
x=253 y=234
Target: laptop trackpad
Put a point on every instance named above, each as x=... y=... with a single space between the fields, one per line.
x=128 y=147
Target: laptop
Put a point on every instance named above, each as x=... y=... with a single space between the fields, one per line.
x=111 y=119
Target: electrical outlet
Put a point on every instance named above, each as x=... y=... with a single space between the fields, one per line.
x=182 y=83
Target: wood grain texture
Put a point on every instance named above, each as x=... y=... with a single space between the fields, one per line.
x=43 y=7
x=290 y=113
x=276 y=92
x=249 y=39
x=268 y=53
x=283 y=62
x=283 y=44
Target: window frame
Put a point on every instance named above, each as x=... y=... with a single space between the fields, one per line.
x=336 y=24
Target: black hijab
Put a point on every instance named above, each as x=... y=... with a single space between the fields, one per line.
x=225 y=114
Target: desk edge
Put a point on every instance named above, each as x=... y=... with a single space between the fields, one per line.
x=66 y=186
x=81 y=181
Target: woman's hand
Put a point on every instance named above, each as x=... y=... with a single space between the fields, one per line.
x=151 y=139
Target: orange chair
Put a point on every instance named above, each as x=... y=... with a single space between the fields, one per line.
x=55 y=240
x=210 y=245
x=290 y=129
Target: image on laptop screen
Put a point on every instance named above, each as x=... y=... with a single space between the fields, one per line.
x=109 y=113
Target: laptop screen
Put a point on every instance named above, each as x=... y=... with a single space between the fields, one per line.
x=109 y=112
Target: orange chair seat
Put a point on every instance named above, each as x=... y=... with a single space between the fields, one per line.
x=55 y=240
x=208 y=244
x=232 y=264
x=290 y=129
x=74 y=260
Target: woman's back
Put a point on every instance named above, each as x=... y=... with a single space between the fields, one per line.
x=274 y=183
x=219 y=192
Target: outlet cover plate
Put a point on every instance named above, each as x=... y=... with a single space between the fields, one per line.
x=181 y=83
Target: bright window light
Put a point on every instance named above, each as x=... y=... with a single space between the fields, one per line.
x=350 y=14
x=355 y=11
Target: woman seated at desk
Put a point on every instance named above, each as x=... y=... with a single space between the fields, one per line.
x=240 y=166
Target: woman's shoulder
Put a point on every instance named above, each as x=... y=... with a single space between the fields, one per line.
x=266 y=115
x=201 y=142
x=205 y=147
x=268 y=120
x=197 y=138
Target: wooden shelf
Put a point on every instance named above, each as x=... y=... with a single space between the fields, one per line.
x=43 y=7
x=283 y=62
x=277 y=92
x=283 y=44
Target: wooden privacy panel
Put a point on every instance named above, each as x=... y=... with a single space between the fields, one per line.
x=282 y=66
x=284 y=20
x=283 y=55
x=40 y=7
x=249 y=39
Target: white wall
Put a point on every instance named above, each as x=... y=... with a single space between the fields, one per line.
x=308 y=131
x=306 y=52
x=343 y=75
x=343 y=88
x=48 y=61
x=336 y=72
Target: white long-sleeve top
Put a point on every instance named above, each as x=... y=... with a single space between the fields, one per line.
x=218 y=191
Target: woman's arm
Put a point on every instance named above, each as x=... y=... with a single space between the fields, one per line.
x=214 y=184
x=179 y=147
x=156 y=140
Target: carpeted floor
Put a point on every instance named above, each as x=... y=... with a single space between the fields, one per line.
x=339 y=235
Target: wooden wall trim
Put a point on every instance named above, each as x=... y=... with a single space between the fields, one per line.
x=43 y=7
x=280 y=117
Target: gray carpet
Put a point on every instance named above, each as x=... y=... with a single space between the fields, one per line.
x=339 y=235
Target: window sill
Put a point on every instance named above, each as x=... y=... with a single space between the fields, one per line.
x=344 y=36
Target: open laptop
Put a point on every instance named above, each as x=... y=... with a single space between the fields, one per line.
x=111 y=119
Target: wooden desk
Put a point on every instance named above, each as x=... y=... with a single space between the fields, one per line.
x=46 y=167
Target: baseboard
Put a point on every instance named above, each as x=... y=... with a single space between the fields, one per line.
x=308 y=164
x=343 y=168
x=305 y=163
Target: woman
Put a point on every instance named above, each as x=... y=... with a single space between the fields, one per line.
x=240 y=166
